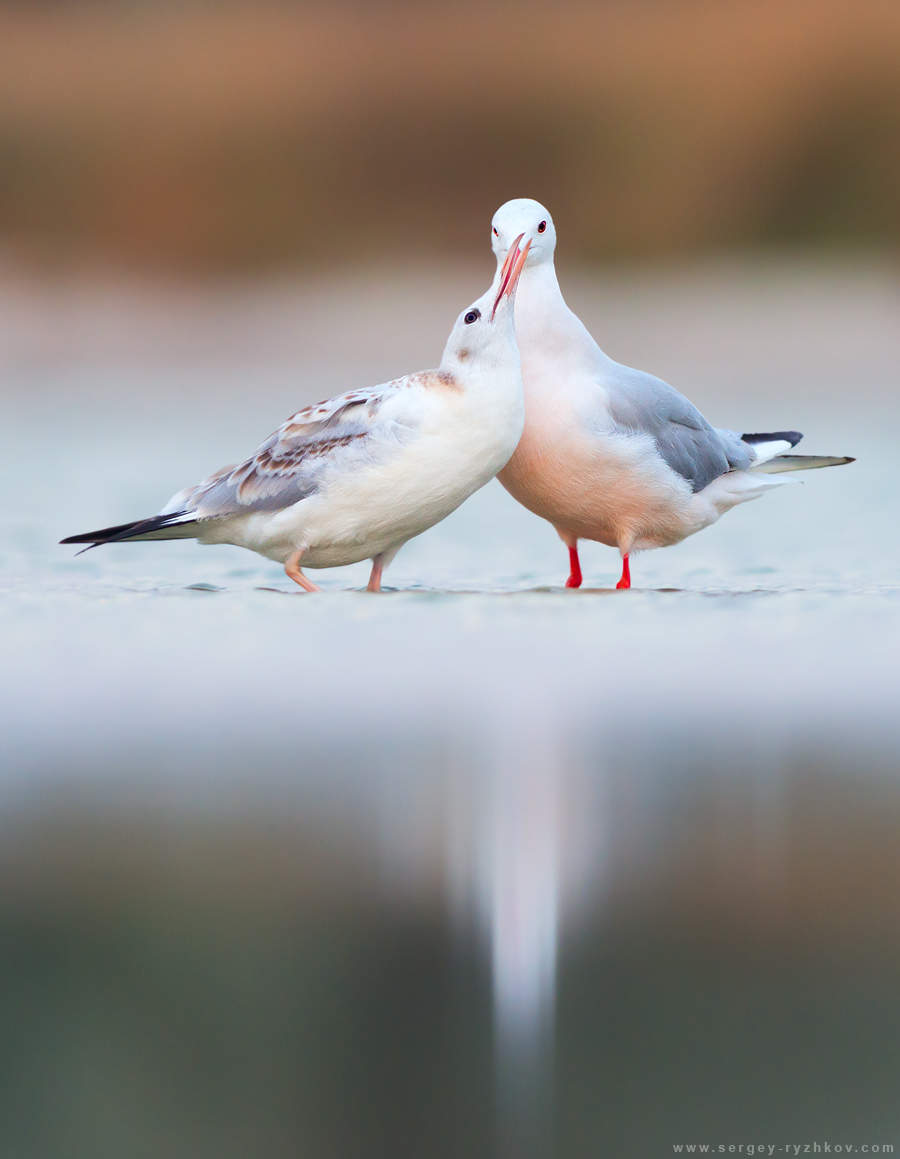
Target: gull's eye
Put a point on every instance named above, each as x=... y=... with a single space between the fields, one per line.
x=542 y=227
x=472 y=316
x=495 y=232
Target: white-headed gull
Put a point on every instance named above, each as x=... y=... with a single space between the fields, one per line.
x=609 y=453
x=355 y=477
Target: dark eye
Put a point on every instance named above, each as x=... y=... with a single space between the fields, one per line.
x=472 y=316
x=495 y=232
x=542 y=227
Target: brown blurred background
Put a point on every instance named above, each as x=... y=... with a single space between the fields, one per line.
x=250 y=135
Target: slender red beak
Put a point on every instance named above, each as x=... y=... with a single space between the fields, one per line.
x=512 y=267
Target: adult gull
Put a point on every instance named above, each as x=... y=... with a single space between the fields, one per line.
x=609 y=453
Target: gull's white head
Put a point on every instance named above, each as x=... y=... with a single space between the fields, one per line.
x=527 y=218
x=486 y=330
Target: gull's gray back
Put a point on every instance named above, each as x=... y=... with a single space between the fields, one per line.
x=643 y=404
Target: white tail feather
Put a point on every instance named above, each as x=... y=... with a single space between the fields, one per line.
x=766 y=451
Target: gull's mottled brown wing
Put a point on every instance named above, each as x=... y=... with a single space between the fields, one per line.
x=289 y=464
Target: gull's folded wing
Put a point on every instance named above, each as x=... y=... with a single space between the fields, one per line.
x=643 y=404
x=288 y=465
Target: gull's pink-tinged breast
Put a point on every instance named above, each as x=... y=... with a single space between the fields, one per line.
x=609 y=487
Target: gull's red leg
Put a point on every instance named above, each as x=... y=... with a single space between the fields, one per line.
x=625 y=581
x=574 y=580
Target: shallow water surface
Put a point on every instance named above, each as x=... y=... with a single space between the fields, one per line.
x=478 y=865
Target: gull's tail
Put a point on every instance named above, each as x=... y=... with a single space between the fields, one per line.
x=771 y=460
x=799 y=463
x=175 y=525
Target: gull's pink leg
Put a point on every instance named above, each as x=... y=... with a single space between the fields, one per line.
x=625 y=581
x=292 y=569
x=574 y=580
x=375 y=577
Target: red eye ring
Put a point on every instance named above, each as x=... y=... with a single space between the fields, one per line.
x=495 y=232
x=542 y=227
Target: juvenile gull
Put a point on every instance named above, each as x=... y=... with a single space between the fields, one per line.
x=609 y=453
x=357 y=476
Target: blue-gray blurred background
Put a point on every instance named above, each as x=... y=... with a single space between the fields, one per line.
x=478 y=867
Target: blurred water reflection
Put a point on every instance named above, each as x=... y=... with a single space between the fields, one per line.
x=273 y=970
x=480 y=867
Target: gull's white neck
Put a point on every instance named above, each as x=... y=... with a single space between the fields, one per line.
x=550 y=336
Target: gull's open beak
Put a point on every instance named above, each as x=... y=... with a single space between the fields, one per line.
x=512 y=267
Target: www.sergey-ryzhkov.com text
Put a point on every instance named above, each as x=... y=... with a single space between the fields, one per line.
x=783 y=1148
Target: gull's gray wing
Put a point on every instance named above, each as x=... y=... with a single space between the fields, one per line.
x=289 y=464
x=642 y=404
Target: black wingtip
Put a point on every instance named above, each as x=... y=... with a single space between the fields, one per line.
x=792 y=437
x=125 y=530
x=95 y=538
x=80 y=539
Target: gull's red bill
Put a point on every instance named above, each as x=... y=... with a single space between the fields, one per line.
x=512 y=267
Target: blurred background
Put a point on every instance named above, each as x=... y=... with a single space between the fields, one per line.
x=183 y=135
x=481 y=867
